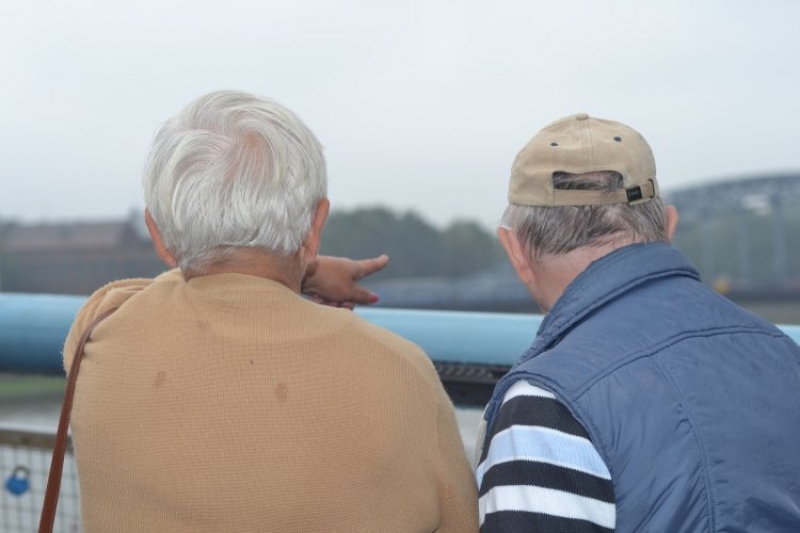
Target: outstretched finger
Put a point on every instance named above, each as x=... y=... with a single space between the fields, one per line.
x=370 y=266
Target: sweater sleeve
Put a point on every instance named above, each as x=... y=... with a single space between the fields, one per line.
x=540 y=472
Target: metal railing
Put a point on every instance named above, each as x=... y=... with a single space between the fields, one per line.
x=24 y=463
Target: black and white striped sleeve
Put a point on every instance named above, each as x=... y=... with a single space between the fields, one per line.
x=540 y=472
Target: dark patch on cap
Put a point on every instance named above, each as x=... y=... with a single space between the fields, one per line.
x=634 y=193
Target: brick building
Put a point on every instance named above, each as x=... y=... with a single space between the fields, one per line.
x=75 y=258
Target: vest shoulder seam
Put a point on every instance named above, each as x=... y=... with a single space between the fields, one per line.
x=656 y=349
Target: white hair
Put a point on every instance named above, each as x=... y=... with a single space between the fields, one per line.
x=561 y=229
x=233 y=170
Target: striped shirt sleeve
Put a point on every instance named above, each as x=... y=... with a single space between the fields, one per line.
x=540 y=472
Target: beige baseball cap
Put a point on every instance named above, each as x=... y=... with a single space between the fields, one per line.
x=579 y=144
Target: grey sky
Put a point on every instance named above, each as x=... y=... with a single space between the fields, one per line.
x=420 y=104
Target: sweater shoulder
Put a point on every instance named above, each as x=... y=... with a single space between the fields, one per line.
x=110 y=296
x=390 y=344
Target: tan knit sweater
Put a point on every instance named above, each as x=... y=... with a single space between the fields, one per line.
x=230 y=404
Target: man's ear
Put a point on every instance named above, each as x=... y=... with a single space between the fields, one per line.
x=672 y=221
x=158 y=243
x=519 y=259
x=314 y=237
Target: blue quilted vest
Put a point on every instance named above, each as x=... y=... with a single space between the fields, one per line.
x=693 y=403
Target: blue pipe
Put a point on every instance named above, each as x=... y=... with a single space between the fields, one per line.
x=459 y=336
x=32 y=331
x=33 y=328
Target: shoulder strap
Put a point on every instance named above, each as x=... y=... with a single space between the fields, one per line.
x=48 y=517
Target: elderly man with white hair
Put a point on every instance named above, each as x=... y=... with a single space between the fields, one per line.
x=217 y=398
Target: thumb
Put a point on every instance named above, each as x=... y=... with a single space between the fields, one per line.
x=363 y=296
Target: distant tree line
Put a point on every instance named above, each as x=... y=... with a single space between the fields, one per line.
x=416 y=248
x=741 y=248
x=721 y=247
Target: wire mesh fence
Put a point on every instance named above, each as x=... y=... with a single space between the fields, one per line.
x=24 y=463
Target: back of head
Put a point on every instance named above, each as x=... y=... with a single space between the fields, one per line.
x=233 y=170
x=583 y=181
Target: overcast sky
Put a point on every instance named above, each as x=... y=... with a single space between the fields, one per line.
x=419 y=104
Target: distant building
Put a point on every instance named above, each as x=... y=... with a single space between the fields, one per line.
x=75 y=258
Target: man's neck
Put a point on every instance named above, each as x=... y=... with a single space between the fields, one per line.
x=287 y=270
x=556 y=271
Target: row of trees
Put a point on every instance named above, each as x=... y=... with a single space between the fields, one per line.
x=734 y=246
x=416 y=248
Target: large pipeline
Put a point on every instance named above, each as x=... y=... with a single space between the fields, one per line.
x=33 y=328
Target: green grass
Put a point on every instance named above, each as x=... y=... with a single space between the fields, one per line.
x=20 y=386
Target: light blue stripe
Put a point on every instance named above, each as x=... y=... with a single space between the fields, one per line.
x=533 y=443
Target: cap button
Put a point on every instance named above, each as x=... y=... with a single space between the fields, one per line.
x=581 y=116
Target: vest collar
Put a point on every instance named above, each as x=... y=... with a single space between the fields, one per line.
x=604 y=280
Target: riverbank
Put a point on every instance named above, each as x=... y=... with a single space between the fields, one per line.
x=16 y=388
